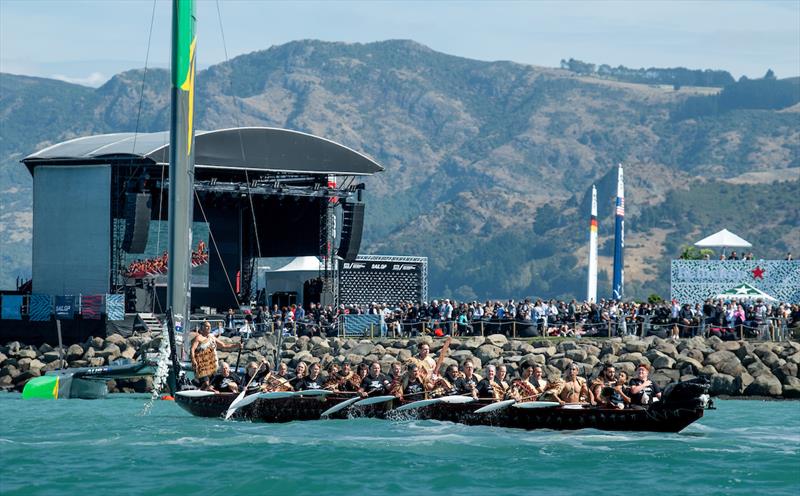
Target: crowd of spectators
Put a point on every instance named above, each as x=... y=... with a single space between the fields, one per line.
x=528 y=318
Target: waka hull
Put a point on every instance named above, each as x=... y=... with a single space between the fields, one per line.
x=263 y=410
x=683 y=404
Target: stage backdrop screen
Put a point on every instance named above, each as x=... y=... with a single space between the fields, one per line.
x=71 y=229
x=149 y=262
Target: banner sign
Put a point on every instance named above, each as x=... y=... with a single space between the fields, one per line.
x=40 y=307
x=91 y=306
x=12 y=307
x=65 y=307
x=383 y=279
x=694 y=281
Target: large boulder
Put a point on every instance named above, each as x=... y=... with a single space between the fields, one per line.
x=742 y=381
x=611 y=348
x=757 y=368
x=784 y=371
x=561 y=363
x=767 y=356
x=10 y=371
x=666 y=348
x=74 y=352
x=549 y=351
x=576 y=355
x=363 y=348
x=96 y=362
x=473 y=343
x=731 y=346
x=115 y=339
x=693 y=353
x=723 y=384
x=403 y=355
x=707 y=371
x=50 y=356
x=765 y=385
x=685 y=362
x=110 y=352
x=635 y=357
x=663 y=362
x=533 y=358
x=733 y=368
x=26 y=353
x=665 y=376
x=628 y=367
x=461 y=355
x=497 y=339
x=719 y=357
x=636 y=346
x=791 y=388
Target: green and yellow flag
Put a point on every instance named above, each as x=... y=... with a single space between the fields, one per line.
x=183 y=59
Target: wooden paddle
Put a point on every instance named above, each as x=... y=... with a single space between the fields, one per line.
x=235 y=404
x=442 y=355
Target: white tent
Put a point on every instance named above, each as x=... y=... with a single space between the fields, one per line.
x=291 y=277
x=301 y=264
x=744 y=292
x=723 y=239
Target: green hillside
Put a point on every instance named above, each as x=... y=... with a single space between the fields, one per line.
x=488 y=164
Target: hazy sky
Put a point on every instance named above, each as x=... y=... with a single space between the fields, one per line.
x=89 y=41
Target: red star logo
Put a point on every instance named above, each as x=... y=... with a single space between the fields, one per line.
x=758 y=273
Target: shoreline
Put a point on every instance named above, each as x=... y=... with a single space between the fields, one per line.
x=757 y=370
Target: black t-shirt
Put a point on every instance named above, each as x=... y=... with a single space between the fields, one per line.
x=222 y=383
x=415 y=389
x=485 y=389
x=375 y=385
x=308 y=383
x=296 y=382
x=465 y=386
x=651 y=391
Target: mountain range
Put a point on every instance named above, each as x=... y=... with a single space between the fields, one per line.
x=488 y=164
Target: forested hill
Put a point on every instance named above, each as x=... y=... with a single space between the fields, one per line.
x=487 y=163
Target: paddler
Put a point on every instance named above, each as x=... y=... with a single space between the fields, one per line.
x=413 y=387
x=375 y=383
x=299 y=374
x=312 y=381
x=487 y=388
x=468 y=382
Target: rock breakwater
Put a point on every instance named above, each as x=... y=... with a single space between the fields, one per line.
x=735 y=368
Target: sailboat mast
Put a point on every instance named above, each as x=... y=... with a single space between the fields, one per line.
x=181 y=160
x=618 y=287
x=591 y=285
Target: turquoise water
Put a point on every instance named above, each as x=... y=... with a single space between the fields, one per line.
x=107 y=447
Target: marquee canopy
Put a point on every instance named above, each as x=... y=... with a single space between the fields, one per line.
x=724 y=239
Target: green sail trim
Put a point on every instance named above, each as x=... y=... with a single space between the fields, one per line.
x=44 y=387
x=183 y=29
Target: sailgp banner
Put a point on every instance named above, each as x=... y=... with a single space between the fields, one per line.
x=694 y=281
x=383 y=279
x=65 y=307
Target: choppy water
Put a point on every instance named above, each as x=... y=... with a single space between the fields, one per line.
x=106 y=447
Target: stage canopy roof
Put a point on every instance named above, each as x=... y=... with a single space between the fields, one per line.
x=252 y=148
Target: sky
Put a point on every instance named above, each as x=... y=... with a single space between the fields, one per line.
x=87 y=42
